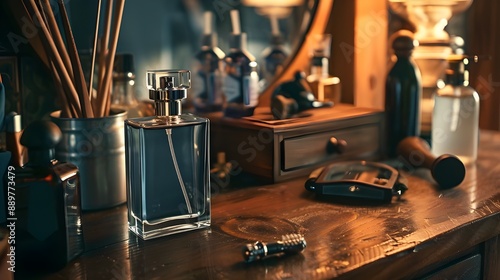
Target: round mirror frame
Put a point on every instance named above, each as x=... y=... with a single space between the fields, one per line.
x=300 y=58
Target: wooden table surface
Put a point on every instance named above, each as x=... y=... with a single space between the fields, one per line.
x=345 y=239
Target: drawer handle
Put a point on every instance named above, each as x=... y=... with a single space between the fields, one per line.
x=336 y=146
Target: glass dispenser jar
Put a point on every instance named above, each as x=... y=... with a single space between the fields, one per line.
x=455 y=119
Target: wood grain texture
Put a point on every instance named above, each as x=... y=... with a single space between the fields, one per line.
x=483 y=39
x=345 y=239
x=492 y=258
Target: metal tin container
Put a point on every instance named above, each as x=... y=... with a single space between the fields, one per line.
x=97 y=147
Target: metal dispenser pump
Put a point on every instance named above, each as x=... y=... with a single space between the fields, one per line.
x=168 y=89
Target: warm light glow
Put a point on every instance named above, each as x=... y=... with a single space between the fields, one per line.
x=277 y=12
x=272 y=3
x=430 y=16
x=275 y=8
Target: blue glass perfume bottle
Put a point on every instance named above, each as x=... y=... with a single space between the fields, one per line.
x=167 y=162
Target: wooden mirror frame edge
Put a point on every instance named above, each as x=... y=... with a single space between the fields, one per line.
x=300 y=59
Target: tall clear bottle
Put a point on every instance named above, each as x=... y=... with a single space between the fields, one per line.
x=403 y=92
x=241 y=83
x=455 y=118
x=207 y=81
x=167 y=162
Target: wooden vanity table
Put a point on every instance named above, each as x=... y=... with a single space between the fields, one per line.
x=428 y=232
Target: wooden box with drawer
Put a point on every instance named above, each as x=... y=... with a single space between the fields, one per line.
x=286 y=149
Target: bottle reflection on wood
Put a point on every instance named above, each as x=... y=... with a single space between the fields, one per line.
x=403 y=93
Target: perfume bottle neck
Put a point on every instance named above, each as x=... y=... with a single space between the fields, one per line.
x=168 y=108
x=456 y=79
x=168 y=101
x=319 y=66
x=456 y=74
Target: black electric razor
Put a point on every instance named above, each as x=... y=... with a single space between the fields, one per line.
x=356 y=179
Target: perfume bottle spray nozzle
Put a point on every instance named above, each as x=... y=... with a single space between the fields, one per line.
x=167 y=88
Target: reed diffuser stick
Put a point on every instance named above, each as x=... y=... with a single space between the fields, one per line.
x=81 y=85
x=67 y=109
x=104 y=52
x=55 y=33
x=94 y=49
x=60 y=54
x=56 y=58
x=61 y=88
x=117 y=19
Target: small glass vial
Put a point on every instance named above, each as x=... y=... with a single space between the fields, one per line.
x=323 y=85
x=455 y=118
x=167 y=162
x=207 y=81
x=48 y=221
x=13 y=132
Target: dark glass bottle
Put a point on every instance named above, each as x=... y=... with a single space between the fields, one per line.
x=47 y=213
x=241 y=83
x=403 y=93
x=207 y=80
x=274 y=56
x=124 y=96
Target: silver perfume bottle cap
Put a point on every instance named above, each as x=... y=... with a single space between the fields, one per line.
x=167 y=88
